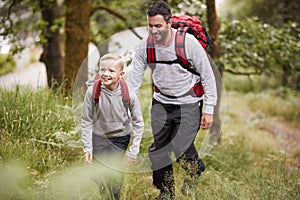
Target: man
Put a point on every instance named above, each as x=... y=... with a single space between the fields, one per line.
x=176 y=114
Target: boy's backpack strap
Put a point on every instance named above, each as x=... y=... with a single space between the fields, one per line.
x=97 y=90
x=125 y=94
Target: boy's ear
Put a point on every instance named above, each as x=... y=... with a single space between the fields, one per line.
x=122 y=73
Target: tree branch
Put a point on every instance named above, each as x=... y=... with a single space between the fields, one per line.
x=117 y=14
x=109 y=10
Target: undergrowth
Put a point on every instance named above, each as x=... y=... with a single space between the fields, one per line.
x=41 y=156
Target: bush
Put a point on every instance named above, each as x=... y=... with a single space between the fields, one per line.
x=7 y=64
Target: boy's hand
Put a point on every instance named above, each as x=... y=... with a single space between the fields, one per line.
x=88 y=157
x=128 y=161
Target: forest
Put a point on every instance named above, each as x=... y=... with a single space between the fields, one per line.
x=252 y=150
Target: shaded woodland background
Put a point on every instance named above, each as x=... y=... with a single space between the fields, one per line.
x=256 y=50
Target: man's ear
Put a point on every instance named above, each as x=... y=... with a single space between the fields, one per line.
x=170 y=23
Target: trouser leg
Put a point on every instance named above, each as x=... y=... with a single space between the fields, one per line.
x=193 y=167
x=108 y=154
x=160 y=151
x=174 y=129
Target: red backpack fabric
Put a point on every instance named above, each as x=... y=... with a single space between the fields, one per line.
x=97 y=91
x=193 y=25
x=184 y=24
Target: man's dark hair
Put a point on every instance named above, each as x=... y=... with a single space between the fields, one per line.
x=159 y=8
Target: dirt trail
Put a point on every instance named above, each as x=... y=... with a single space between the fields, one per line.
x=33 y=76
x=27 y=73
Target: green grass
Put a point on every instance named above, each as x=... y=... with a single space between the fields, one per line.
x=41 y=154
x=281 y=102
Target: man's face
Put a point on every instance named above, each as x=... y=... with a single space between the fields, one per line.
x=158 y=28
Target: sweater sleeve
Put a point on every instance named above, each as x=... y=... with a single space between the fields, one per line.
x=200 y=61
x=87 y=121
x=138 y=67
x=137 y=126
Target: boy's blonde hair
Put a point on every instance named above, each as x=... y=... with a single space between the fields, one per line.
x=110 y=59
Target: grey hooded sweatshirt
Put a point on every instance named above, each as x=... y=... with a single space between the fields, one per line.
x=110 y=119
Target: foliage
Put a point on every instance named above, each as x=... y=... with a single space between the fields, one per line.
x=275 y=12
x=129 y=15
x=251 y=47
x=17 y=23
x=190 y=7
x=7 y=63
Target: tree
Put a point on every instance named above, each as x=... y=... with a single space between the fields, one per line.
x=52 y=54
x=250 y=47
x=275 y=12
x=58 y=37
x=77 y=29
x=214 y=26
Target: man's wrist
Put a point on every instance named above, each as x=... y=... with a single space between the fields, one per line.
x=209 y=109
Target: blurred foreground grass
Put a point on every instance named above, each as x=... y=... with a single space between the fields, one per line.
x=41 y=153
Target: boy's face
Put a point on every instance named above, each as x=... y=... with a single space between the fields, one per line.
x=110 y=76
x=158 y=28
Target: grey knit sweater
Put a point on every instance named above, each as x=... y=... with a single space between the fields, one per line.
x=173 y=79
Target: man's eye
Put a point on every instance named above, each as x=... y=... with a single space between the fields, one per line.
x=158 y=26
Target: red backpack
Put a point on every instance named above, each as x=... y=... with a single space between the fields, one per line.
x=97 y=91
x=184 y=24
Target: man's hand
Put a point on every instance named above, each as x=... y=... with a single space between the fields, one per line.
x=206 y=121
x=128 y=161
x=88 y=157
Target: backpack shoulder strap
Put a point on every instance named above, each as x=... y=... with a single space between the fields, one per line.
x=125 y=92
x=180 y=50
x=96 y=92
x=151 y=58
x=96 y=89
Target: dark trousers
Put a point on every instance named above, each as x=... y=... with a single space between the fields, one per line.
x=174 y=130
x=108 y=156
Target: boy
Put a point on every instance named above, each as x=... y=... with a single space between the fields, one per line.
x=106 y=128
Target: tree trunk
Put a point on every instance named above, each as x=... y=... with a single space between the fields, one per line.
x=214 y=26
x=77 y=30
x=52 y=53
